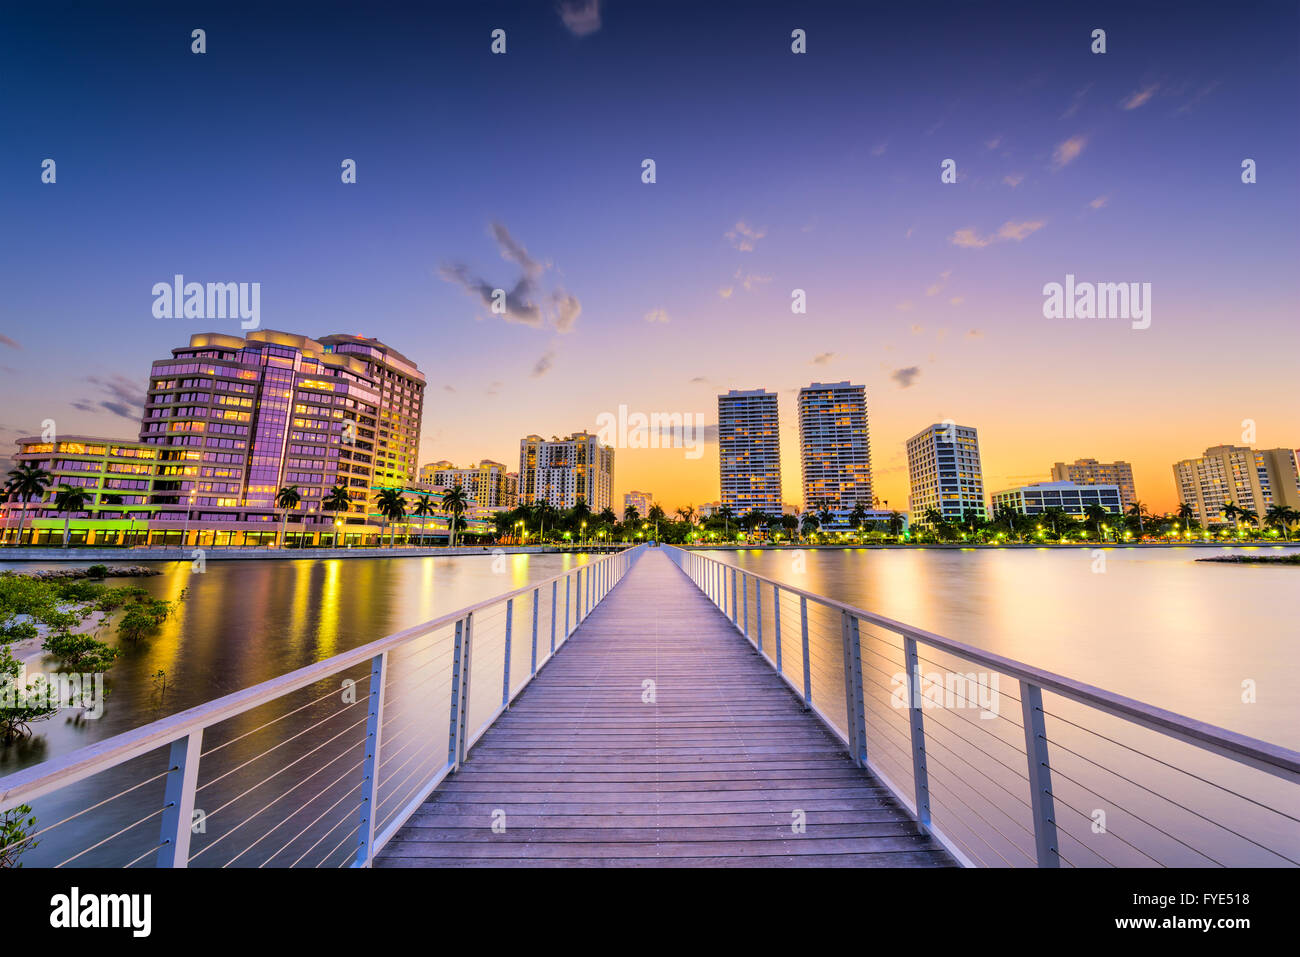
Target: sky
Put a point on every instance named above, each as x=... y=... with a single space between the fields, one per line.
x=774 y=171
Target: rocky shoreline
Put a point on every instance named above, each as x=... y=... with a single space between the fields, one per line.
x=93 y=572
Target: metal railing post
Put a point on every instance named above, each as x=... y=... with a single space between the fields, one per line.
x=733 y=596
x=505 y=679
x=776 y=624
x=555 y=593
x=920 y=775
x=178 y=800
x=744 y=603
x=1040 y=775
x=577 y=598
x=807 y=665
x=459 y=692
x=758 y=614
x=567 y=581
x=370 y=774
x=855 y=710
x=537 y=609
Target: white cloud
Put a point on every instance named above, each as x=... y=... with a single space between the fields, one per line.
x=1068 y=151
x=745 y=237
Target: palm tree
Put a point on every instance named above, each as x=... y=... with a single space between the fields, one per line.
x=1137 y=510
x=726 y=514
x=580 y=513
x=824 y=514
x=656 y=514
x=687 y=514
x=337 y=501
x=631 y=515
x=454 y=503
x=809 y=524
x=607 y=517
x=1250 y=516
x=25 y=482
x=288 y=497
x=858 y=516
x=424 y=508
x=896 y=523
x=393 y=508
x=1187 y=514
x=68 y=500
x=1281 y=516
x=1095 y=515
x=1230 y=512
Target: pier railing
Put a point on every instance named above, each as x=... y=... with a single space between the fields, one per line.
x=319 y=767
x=1010 y=765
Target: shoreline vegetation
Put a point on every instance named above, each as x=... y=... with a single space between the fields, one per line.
x=1254 y=559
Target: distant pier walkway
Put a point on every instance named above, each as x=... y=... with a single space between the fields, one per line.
x=717 y=770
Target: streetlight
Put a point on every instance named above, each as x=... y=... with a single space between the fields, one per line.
x=582 y=535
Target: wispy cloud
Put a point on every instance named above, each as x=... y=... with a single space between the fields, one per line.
x=1076 y=102
x=969 y=238
x=748 y=280
x=125 y=397
x=656 y=315
x=879 y=149
x=524 y=302
x=745 y=237
x=726 y=291
x=1139 y=97
x=822 y=358
x=937 y=286
x=1099 y=202
x=1013 y=179
x=581 y=17
x=1068 y=151
x=975 y=334
x=6 y=341
x=906 y=378
x=543 y=364
x=993 y=143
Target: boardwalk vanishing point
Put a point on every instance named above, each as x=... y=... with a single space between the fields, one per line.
x=660 y=738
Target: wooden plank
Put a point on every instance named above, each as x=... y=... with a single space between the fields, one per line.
x=716 y=771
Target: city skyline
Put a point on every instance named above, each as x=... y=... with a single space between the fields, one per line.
x=660 y=296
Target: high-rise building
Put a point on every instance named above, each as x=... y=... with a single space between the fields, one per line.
x=1092 y=472
x=487 y=484
x=1237 y=475
x=749 y=452
x=641 y=501
x=834 y=448
x=560 y=471
x=1073 y=498
x=401 y=405
x=943 y=465
x=235 y=419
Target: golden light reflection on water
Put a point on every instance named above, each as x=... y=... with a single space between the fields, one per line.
x=1152 y=624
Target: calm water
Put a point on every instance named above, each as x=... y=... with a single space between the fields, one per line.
x=1154 y=625
x=244 y=622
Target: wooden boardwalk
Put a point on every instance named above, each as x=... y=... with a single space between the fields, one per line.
x=713 y=773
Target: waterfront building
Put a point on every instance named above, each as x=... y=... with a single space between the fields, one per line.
x=706 y=509
x=945 y=474
x=1237 y=475
x=560 y=471
x=487 y=484
x=117 y=477
x=229 y=421
x=749 y=452
x=834 y=448
x=1073 y=498
x=641 y=501
x=1092 y=472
